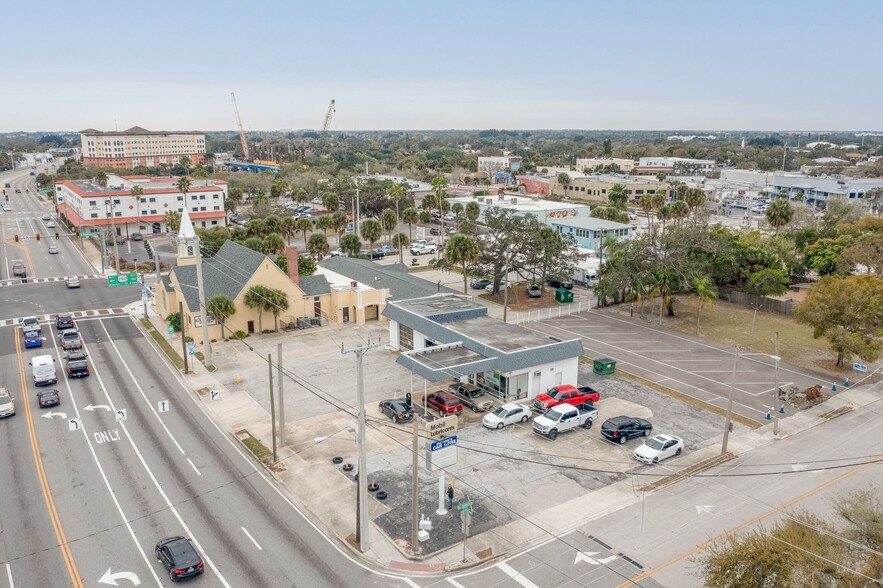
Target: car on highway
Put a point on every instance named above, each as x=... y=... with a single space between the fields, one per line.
x=18 y=190
x=47 y=398
x=64 y=320
x=444 y=402
x=77 y=365
x=179 y=557
x=507 y=414
x=70 y=340
x=534 y=291
x=53 y=249
x=6 y=208
x=32 y=339
x=620 y=429
x=18 y=269
x=73 y=282
x=397 y=409
x=46 y=217
x=480 y=284
x=658 y=448
x=50 y=225
x=7 y=403
x=30 y=323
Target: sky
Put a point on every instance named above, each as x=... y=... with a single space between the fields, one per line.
x=412 y=64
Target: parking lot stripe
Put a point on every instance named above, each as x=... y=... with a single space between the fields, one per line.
x=515 y=575
x=455 y=583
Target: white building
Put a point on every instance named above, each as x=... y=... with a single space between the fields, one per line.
x=675 y=165
x=499 y=165
x=86 y=205
x=815 y=190
x=545 y=211
x=137 y=146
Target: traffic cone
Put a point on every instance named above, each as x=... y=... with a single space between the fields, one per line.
x=238 y=379
x=769 y=415
x=782 y=409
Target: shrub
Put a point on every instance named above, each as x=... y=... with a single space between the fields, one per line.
x=174 y=319
x=240 y=334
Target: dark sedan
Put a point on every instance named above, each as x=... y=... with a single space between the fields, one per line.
x=480 y=284
x=397 y=409
x=622 y=428
x=179 y=557
x=559 y=283
x=48 y=398
x=64 y=320
x=534 y=291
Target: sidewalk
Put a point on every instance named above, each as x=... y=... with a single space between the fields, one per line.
x=309 y=484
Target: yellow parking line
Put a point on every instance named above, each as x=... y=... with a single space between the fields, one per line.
x=655 y=570
x=76 y=581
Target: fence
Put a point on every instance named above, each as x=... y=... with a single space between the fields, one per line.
x=550 y=312
x=757 y=302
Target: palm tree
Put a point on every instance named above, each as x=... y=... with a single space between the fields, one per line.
x=664 y=214
x=289 y=228
x=400 y=241
x=779 y=214
x=564 y=181
x=183 y=186
x=679 y=211
x=389 y=221
x=705 y=292
x=462 y=250
x=350 y=244
x=339 y=221
x=101 y=178
x=274 y=244
x=695 y=198
x=331 y=201
x=457 y=209
x=256 y=297
x=277 y=302
x=303 y=225
x=185 y=162
x=325 y=223
x=221 y=307
x=272 y=224
x=317 y=246
x=256 y=228
x=410 y=216
x=617 y=197
x=138 y=193
x=371 y=230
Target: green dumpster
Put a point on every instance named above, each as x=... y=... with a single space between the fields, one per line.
x=563 y=296
x=604 y=366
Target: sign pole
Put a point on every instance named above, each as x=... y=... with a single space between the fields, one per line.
x=183 y=339
x=415 y=504
x=441 y=495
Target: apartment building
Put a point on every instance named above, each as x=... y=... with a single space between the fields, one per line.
x=137 y=146
x=594 y=189
x=88 y=206
x=676 y=165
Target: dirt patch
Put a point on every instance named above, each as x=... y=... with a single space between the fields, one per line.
x=519 y=301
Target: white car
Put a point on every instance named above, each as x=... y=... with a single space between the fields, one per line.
x=53 y=249
x=317 y=201
x=73 y=282
x=503 y=285
x=30 y=323
x=338 y=253
x=50 y=225
x=46 y=217
x=508 y=414
x=7 y=403
x=659 y=448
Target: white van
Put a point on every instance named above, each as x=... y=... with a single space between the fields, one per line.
x=43 y=369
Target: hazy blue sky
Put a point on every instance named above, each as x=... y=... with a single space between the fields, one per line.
x=704 y=64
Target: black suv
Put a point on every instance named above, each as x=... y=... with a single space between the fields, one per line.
x=559 y=283
x=64 y=320
x=622 y=428
x=77 y=366
x=179 y=556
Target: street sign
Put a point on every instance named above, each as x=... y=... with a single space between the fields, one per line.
x=859 y=367
x=171 y=330
x=443 y=427
x=191 y=349
x=122 y=280
x=88 y=234
x=442 y=443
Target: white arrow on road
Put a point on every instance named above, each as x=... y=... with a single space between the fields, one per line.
x=111 y=579
x=91 y=408
x=587 y=557
x=798 y=467
x=705 y=508
x=51 y=414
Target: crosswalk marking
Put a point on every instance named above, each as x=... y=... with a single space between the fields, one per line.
x=78 y=314
x=516 y=575
x=18 y=281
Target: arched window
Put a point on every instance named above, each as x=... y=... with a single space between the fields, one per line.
x=190 y=250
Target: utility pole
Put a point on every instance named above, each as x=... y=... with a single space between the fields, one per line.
x=158 y=276
x=203 y=311
x=361 y=497
x=506 y=291
x=357 y=215
x=183 y=341
x=281 y=396
x=415 y=504
x=113 y=225
x=103 y=250
x=272 y=405
x=728 y=423
x=776 y=400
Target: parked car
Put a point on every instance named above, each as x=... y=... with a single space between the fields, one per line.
x=338 y=253
x=388 y=249
x=434 y=231
x=373 y=253
x=64 y=320
x=534 y=291
x=560 y=283
x=73 y=282
x=53 y=249
x=70 y=340
x=480 y=284
x=420 y=249
x=658 y=448
x=179 y=557
x=444 y=402
x=6 y=207
x=471 y=396
x=507 y=414
x=7 y=403
x=504 y=285
x=622 y=428
x=317 y=201
x=564 y=417
x=30 y=323
x=47 y=398
x=32 y=339
x=565 y=394
x=137 y=237
x=77 y=365
x=397 y=409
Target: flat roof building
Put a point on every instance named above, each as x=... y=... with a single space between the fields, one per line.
x=588 y=232
x=591 y=164
x=139 y=147
x=544 y=210
x=676 y=165
x=815 y=190
x=594 y=189
x=504 y=164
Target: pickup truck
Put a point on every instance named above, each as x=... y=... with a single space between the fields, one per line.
x=420 y=249
x=564 y=417
x=471 y=396
x=70 y=340
x=565 y=394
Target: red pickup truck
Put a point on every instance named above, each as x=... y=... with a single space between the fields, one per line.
x=565 y=394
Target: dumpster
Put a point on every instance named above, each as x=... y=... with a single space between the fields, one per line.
x=604 y=366
x=563 y=296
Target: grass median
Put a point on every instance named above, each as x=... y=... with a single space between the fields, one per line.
x=163 y=344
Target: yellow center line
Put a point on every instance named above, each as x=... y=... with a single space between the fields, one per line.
x=775 y=510
x=76 y=581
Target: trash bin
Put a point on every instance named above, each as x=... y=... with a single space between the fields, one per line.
x=563 y=296
x=604 y=366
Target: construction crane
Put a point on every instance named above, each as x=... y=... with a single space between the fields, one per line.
x=242 y=140
x=328 y=116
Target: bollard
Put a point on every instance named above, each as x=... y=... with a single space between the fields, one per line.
x=846 y=383
x=769 y=415
x=834 y=387
x=782 y=409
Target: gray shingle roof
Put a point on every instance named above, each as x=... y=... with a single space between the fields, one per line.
x=314 y=285
x=401 y=285
x=225 y=273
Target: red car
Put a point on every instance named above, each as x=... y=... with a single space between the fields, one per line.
x=565 y=394
x=444 y=402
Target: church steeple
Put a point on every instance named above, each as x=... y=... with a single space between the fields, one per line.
x=187 y=240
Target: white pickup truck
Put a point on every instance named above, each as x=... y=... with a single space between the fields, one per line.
x=564 y=417
x=421 y=248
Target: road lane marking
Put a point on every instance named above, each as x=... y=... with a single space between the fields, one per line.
x=198 y=473
x=156 y=484
x=247 y=534
x=740 y=527
x=110 y=490
x=9 y=575
x=516 y=575
x=455 y=583
x=41 y=474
